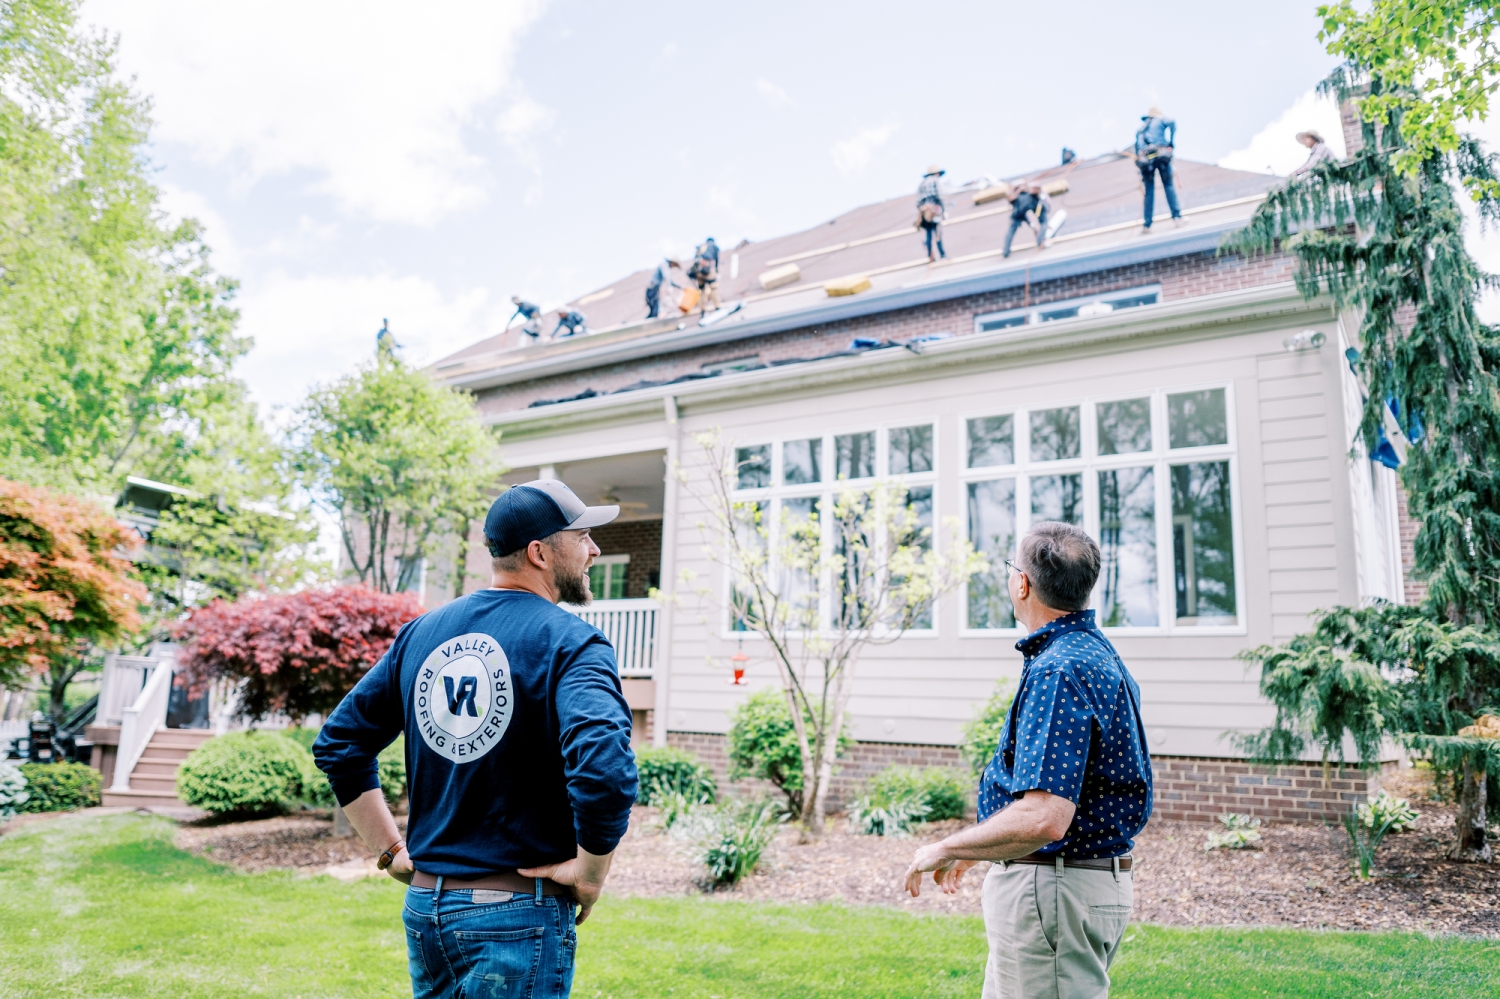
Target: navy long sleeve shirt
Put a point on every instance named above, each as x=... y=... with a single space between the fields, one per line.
x=517 y=735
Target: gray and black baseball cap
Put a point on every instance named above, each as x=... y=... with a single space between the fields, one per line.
x=538 y=509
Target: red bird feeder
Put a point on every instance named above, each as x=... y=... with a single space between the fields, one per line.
x=739 y=659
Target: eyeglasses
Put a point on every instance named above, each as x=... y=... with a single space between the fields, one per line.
x=1013 y=567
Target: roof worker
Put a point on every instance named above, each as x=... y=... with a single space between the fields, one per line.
x=705 y=271
x=518 y=747
x=385 y=340
x=659 y=277
x=1318 y=151
x=572 y=320
x=1068 y=790
x=1154 y=144
x=532 y=315
x=1029 y=206
x=931 y=210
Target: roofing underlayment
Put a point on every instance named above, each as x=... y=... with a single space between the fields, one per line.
x=881 y=243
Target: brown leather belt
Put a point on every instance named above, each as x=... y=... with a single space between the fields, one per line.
x=493 y=882
x=1093 y=865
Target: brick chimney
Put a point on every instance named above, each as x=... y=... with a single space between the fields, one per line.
x=1354 y=139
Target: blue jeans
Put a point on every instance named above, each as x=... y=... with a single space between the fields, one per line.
x=1149 y=169
x=933 y=232
x=1017 y=221
x=518 y=948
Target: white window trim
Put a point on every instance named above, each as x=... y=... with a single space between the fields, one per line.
x=1032 y=313
x=609 y=562
x=1160 y=457
x=826 y=491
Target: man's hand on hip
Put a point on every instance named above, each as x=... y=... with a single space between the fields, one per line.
x=401 y=868
x=585 y=874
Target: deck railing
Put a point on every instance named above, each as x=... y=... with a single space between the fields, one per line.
x=142 y=718
x=630 y=626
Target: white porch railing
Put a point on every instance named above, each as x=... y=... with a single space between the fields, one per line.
x=121 y=684
x=141 y=720
x=630 y=626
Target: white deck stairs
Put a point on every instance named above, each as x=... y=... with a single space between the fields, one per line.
x=153 y=781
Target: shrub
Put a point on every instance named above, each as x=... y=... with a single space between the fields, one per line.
x=667 y=771
x=57 y=787
x=889 y=814
x=735 y=836
x=943 y=790
x=1239 y=832
x=981 y=737
x=1364 y=842
x=315 y=787
x=1385 y=807
x=13 y=793
x=245 y=772
x=763 y=744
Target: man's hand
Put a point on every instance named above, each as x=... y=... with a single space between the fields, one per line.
x=932 y=858
x=585 y=874
x=401 y=868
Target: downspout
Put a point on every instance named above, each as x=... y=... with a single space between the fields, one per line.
x=661 y=670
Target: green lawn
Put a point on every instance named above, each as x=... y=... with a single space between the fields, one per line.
x=108 y=907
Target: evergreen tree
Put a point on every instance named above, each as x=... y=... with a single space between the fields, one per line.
x=1382 y=235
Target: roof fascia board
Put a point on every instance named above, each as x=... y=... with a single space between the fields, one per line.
x=855 y=306
x=1206 y=311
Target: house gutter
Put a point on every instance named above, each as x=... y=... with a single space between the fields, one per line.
x=1186 y=316
x=624 y=350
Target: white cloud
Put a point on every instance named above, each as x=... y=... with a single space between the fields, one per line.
x=853 y=155
x=520 y=125
x=773 y=94
x=179 y=203
x=373 y=99
x=1275 y=148
x=312 y=329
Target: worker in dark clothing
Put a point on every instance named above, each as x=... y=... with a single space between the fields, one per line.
x=385 y=340
x=931 y=210
x=532 y=327
x=1029 y=207
x=572 y=320
x=520 y=776
x=1154 y=144
x=659 y=277
x=705 y=271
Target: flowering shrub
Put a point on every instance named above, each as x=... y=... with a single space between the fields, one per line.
x=296 y=654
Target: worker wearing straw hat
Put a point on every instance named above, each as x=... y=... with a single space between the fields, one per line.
x=1318 y=151
x=931 y=209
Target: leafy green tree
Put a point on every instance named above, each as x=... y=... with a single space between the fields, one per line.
x=1382 y=234
x=402 y=462
x=116 y=336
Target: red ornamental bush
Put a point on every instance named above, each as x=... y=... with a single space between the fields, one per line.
x=299 y=653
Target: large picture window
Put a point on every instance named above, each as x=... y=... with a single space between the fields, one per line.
x=788 y=488
x=1150 y=477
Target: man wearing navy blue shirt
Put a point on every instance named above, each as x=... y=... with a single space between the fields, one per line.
x=518 y=760
x=1067 y=792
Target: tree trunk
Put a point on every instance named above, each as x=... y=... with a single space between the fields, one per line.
x=1470 y=843
x=57 y=693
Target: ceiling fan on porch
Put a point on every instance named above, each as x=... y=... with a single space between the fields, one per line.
x=611 y=495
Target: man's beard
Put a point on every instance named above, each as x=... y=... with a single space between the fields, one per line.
x=574 y=589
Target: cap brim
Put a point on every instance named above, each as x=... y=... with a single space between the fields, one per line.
x=594 y=516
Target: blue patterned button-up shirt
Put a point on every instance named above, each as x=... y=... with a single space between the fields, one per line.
x=1075 y=730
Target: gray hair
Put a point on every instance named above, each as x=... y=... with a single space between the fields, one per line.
x=1062 y=562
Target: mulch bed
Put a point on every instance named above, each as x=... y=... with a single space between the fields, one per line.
x=1299 y=876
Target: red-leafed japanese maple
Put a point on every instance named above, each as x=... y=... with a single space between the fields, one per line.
x=65 y=583
x=297 y=654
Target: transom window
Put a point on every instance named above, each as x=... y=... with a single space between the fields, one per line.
x=1073 y=308
x=1149 y=477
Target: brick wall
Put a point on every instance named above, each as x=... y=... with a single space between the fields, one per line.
x=1199 y=789
x=1195 y=789
x=641 y=540
x=1415 y=590
x=1189 y=276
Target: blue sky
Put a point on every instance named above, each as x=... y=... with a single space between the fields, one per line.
x=359 y=161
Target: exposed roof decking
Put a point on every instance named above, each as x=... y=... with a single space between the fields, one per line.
x=878 y=240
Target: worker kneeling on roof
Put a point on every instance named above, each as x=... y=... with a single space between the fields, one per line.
x=518 y=753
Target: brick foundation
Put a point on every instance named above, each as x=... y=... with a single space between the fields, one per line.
x=1199 y=789
x=1195 y=789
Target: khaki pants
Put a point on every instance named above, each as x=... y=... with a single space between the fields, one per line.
x=1052 y=933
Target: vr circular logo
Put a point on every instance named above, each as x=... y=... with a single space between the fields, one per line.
x=463 y=697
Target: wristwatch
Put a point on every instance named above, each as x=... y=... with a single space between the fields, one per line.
x=390 y=854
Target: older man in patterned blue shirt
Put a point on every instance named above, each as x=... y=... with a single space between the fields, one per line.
x=1067 y=792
